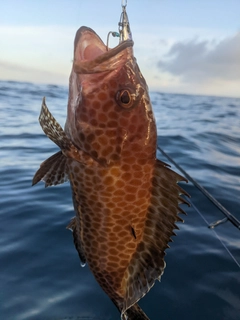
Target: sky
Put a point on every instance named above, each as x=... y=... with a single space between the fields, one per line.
x=182 y=46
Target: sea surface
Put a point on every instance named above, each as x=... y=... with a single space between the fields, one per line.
x=40 y=273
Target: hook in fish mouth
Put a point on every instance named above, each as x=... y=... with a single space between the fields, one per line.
x=114 y=34
x=88 y=47
x=91 y=55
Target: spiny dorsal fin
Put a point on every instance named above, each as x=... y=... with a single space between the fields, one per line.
x=53 y=170
x=147 y=263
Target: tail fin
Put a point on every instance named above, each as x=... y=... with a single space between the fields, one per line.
x=135 y=313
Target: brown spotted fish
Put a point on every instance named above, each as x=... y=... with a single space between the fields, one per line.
x=126 y=201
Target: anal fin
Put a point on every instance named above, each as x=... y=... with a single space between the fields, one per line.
x=78 y=245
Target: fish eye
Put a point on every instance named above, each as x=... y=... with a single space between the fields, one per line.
x=124 y=98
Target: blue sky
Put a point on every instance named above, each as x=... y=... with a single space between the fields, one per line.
x=181 y=46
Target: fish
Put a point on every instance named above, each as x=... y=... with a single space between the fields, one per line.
x=126 y=201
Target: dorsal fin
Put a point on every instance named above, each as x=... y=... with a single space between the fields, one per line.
x=53 y=170
x=147 y=263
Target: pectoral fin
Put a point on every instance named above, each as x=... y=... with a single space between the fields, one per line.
x=53 y=170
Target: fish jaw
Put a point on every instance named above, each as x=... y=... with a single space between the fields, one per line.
x=109 y=107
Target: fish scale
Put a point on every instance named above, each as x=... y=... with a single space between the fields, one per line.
x=126 y=201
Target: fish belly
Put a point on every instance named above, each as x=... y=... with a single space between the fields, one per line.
x=112 y=206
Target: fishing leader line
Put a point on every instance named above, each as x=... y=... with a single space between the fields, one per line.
x=229 y=216
x=216 y=234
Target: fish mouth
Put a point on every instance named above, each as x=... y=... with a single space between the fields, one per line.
x=91 y=55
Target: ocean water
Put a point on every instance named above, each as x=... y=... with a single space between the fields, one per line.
x=40 y=273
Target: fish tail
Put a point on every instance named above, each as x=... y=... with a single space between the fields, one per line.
x=134 y=313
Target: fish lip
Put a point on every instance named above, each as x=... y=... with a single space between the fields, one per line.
x=86 y=37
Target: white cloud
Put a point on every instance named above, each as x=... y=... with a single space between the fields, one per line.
x=17 y=72
x=203 y=61
x=203 y=66
x=36 y=53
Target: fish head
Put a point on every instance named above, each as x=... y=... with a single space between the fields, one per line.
x=109 y=109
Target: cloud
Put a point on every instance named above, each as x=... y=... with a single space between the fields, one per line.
x=198 y=61
x=14 y=71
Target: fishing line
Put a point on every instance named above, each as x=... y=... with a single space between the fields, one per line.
x=229 y=252
x=210 y=197
x=228 y=215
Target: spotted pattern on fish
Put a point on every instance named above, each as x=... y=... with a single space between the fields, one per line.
x=124 y=211
x=126 y=201
x=117 y=127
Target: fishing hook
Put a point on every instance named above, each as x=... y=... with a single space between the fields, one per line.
x=124 y=25
x=114 y=34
